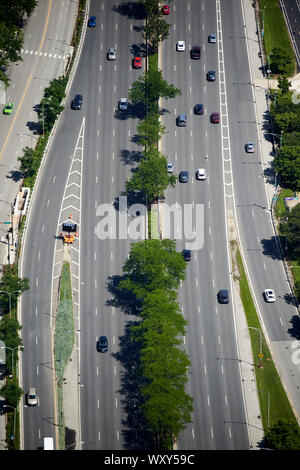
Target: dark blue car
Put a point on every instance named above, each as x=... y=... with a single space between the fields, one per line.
x=92 y=22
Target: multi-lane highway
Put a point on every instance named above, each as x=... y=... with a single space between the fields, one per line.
x=108 y=156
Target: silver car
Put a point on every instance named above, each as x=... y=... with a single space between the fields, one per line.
x=123 y=104
x=250 y=147
x=32 y=398
x=212 y=38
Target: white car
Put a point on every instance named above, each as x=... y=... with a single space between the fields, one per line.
x=201 y=174
x=250 y=147
x=269 y=295
x=170 y=168
x=32 y=398
x=180 y=46
x=212 y=38
x=123 y=104
x=111 y=55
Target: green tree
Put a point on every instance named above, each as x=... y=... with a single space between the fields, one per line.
x=11 y=283
x=153 y=264
x=149 y=88
x=9 y=334
x=280 y=61
x=283 y=84
x=284 y=435
x=29 y=162
x=291 y=230
x=151 y=177
x=156 y=30
x=50 y=106
x=287 y=165
x=150 y=130
x=12 y=393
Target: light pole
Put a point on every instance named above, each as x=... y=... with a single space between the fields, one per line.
x=260 y=345
x=15 y=410
x=9 y=295
x=12 y=356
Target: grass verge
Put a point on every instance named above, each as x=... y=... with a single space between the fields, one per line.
x=63 y=340
x=268 y=381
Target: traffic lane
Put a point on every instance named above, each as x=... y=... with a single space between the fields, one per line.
x=293 y=13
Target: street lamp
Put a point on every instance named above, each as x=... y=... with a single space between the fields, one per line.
x=15 y=410
x=12 y=356
x=9 y=294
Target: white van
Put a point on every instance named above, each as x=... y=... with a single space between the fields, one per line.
x=48 y=443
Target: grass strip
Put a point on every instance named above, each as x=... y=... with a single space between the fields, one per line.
x=267 y=378
x=64 y=340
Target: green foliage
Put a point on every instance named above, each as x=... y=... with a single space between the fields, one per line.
x=10 y=282
x=280 y=61
x=29 y=162
x=12 y=393
x=284 y=435
x=156 y=30
x=50 y=106
x=287 y=164
x=291 y=230
x=150 y=130
x=151 y=177
x=283 y=84
x=153 y=264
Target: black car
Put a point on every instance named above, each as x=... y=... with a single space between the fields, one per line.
x=77 y=102
x=196 y=52
x=223 y=296
x=102 y=344
x=184 y=176
x=211 y=75
x=198 y=109
x=187 y=255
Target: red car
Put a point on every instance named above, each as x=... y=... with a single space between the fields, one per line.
x=165 y=10
x=137 y=63
x=215 y=118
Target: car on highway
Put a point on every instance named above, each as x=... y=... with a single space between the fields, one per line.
x=102 y=344
x=249 y=147
x=223 y=296
x=180 y=46
x=201 y=174
x=170 y=168
x=184 y=176
x=92 y=22
x=187 y=255
x=77 y=102
x=212 y=38
x=137 y=62
x=215 y=118
x=196 y=52
x=181 y=120
x=269 y=295
x=111 y=55
x=165 y=9
x=32 y=399
x=198 y=108
x=211 y=76
x=123 y=104
x=8 y=108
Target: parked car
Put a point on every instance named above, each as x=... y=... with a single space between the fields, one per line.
x=223 y=296
x=212 y=38
x=137 y=62
x=201 y=174
x=181 y=120
x=180 y=46
x=102 y=344
x=111 y=55
x=187 y=255
x=198 y=109
x=77 y=102
x=123 y=104
x=269 y=295
x=92 y=22
x=196 y=52
x=32 y=399
x=250 y=147
x=184 y=176
x=215 y=118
